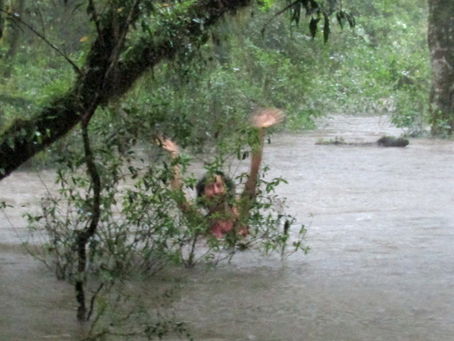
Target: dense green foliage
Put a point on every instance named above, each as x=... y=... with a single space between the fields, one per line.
x=386 y=68
x=380 y=66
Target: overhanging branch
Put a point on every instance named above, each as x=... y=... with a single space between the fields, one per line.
x=23 y=139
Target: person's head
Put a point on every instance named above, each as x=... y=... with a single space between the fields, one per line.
x=215 y=185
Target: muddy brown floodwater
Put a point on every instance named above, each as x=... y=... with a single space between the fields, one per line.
x=381 y=265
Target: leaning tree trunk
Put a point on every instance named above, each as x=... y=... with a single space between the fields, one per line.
x=97 y=84
x=441 y=46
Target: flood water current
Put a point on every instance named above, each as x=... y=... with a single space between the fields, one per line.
x=381 y=266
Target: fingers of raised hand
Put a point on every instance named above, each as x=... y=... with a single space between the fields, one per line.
x=167 y=144
x=267 y=117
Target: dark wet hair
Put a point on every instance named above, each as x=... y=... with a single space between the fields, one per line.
x=200 y=187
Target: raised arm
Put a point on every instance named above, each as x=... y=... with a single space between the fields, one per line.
x=261 y=120
x=172 y=148
x=176 y=182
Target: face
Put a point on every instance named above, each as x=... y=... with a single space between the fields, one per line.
x=215 y=188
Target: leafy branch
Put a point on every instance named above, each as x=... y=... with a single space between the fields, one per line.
x=18 y=20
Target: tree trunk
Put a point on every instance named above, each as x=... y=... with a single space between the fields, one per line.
x=2 y=18
x=13 y=37
x=99 y=83
x=441 y=46
x=84 y=236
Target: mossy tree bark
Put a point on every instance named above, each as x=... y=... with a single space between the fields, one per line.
x=104 y=77
x=441 y=46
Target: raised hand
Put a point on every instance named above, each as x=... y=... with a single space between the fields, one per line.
x=267 y=117
x=168 y=145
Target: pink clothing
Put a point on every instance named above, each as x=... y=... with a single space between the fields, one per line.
x=220 y=228
x=221 y=225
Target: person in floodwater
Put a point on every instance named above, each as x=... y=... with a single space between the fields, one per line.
x=216 y=192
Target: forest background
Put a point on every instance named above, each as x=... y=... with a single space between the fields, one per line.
x=380 y=66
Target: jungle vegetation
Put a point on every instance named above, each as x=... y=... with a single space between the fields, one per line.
x=253 y=52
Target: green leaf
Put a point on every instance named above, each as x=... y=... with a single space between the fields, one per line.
x=296 y=13
x=266 y=4
x=351 y=20
x=313 y=26
x=326 y=29
x=340 y=18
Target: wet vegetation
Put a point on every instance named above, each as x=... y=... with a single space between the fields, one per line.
x=129 y=71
